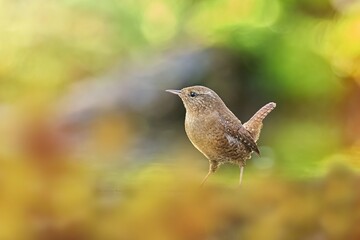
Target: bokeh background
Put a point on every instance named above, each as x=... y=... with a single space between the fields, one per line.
x=92 y=147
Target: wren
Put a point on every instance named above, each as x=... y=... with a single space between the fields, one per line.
x=216 y=132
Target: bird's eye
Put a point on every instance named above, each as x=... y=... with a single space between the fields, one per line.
x=192 y=94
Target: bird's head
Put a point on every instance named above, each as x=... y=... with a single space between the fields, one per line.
x=198 y=98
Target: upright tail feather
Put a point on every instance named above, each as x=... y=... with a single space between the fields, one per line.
x=255 y=124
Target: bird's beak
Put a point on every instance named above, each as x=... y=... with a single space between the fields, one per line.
x=177 y=92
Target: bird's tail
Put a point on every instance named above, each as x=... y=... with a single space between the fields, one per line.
x=255 y=124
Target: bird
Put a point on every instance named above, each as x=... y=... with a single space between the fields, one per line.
x=216 y=132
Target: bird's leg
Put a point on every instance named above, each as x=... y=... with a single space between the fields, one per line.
x=241 y=165
x=241 y=174
x=205 y=178
x=212 y=168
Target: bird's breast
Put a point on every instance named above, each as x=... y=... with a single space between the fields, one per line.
x=204 y=133
x=210 y=136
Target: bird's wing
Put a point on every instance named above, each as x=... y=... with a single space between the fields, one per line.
x=241 y=134
x=247 y=140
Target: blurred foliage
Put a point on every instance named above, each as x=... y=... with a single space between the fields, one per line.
x=117 y=180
